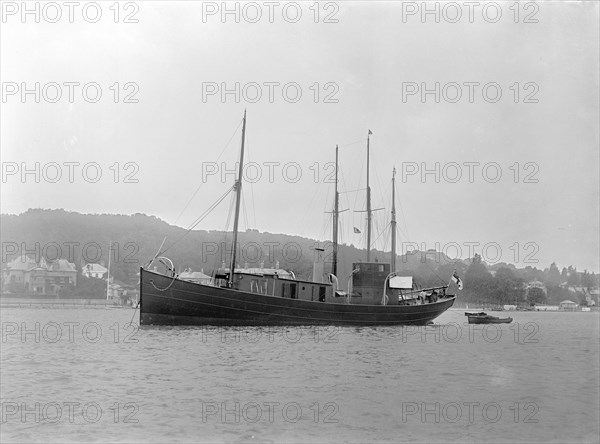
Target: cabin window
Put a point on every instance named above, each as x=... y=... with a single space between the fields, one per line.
x=381 y=268
x=321 y=294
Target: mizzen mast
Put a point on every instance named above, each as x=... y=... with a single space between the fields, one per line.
x=238 y=198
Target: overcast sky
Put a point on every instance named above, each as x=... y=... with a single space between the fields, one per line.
x=362 y=56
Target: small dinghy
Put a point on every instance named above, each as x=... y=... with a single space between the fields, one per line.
x=484 y=318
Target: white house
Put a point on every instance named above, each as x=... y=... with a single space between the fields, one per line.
x=568 y=305
x=94 y=271
x=195 y=276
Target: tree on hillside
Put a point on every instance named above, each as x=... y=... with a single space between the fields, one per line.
x=553 y=277
x=477 y=280
x=573 y=278
x=536 y=295
x=588 y=280
x=558 y=294
x=530 y=273
x=507 y=287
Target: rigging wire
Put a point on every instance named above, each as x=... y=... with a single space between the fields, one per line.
x=310 y=205
x=231 y=205
x=353 y=191
x=327 y=223
x=329 y=219
x=251 y=185
x=223 y=246
x=244 y=211
x=382 y=233
x=352 y=143
x=341 y=171
x=202 y=183
x=198 y=220
x=378 y=178
x=356 y=196
x=388 y=225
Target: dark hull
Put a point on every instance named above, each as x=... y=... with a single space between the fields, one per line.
x=167 y=301
x=488 y=320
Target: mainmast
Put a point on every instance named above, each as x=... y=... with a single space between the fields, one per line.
x=393 y=224
x=336 y=213
x=238 y=198
x=368 y=204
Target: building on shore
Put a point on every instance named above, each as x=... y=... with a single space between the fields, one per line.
x=94 y=271
x=535 y=284
x=568 y=305
x=26 y=276
x=195 y=276
x=120 y=293
x=544 y=307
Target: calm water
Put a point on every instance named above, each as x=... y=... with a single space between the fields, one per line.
x=86 y=377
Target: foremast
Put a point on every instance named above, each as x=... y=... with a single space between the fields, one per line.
x=238 y=197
